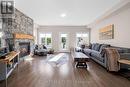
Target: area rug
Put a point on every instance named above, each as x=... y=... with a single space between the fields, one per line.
x=57 y=60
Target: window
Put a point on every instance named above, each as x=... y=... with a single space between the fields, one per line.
x=46 y=39
x=82 y=38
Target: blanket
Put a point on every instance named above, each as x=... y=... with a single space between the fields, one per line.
x=112 y=56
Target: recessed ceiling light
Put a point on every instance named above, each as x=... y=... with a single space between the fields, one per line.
x=63 y=15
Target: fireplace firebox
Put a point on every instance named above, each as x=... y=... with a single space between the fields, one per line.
x=24 y=48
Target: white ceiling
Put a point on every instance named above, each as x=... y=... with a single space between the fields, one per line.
x=78 y=12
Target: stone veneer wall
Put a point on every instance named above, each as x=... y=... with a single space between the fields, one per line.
x=19 y=24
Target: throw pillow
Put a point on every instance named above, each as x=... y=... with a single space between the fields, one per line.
x=97 y=47
x=93 y=46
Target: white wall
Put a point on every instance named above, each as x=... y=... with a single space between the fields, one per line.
x=35 y=32
x=121 y=21
x=3 y=43
x=55 y=30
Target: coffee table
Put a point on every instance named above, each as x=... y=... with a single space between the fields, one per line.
x=80 y=59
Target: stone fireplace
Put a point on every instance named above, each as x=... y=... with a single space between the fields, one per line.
x=18 y=33
x=24 y=48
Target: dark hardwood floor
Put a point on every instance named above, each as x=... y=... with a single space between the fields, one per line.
x=36 y=72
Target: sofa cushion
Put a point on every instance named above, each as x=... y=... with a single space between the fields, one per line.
x=103 y=46
x=126 y=50
x=44 y=47
x=36 y=47
x=97 y=55
x=122 y=50
x=102 y=49
x=87 y=51
x=125 y=56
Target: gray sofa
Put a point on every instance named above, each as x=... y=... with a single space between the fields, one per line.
x=40 y=50
x=97 y=53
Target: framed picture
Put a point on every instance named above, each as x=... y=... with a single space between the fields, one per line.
x=106 y=32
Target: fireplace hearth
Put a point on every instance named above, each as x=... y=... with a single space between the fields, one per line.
x=24 y=48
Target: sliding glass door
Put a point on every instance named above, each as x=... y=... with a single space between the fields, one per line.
x=63 y=41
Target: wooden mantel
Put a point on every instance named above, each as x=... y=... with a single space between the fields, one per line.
x=22 y=36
